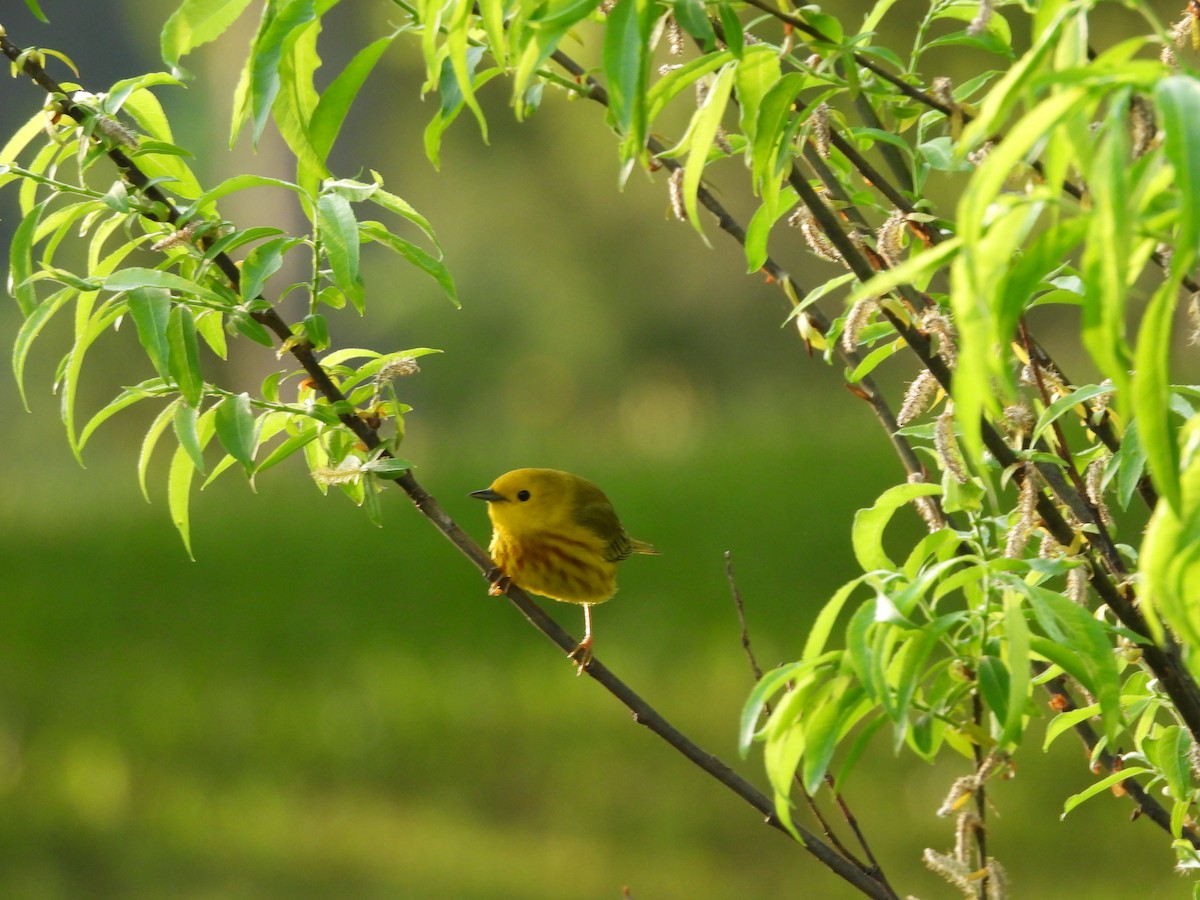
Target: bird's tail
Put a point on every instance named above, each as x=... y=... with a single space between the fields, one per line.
x=643 y=547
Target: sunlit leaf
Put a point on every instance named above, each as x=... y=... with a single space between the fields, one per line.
x=185 y=355
x=184 y=421
x=869 y=524
x=194 y=23
x=34 y=322
x=236 y=429
x=339 y=241
x=1102 y=785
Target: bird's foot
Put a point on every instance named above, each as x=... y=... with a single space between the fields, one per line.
x=581 y=655
x=499 y=581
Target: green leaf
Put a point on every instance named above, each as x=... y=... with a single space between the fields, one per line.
x=1170 y=752
x=151 y=312
x=1150 y=389
x=757 y=72
x=34 y=322
x=20 y=260
x=88 y=327
x=915 y=269
x=339 y=241
x=180 y=477
x=869 y=524
x=994 y=686
x=462 y=61
x=1101 y=786
x=1067 y=720
x=702 y=133
x=143 y=107
x=330 y=113
x=184 y=420
x=1107 y=256
x=1016 y=660
x=1078 y=630
x=1009 y=91
x=1169 y=564
x=153 y=433
x=1077 y=397
x=284 y=450
x=756 y=703
x=401 y=207
x=236 y=429
x=822 y=627
x=297 y=100
x=451 y=105
x=1178 y=100
x=184 y=357
x=758 y=232
x=415 y=255
x=281 y=28
x=135 y=277
x=731 y=26
x=206 y=203
x=37 y=11
x=261 y=263
x=774 y=114
x=692 y=16
x=626 y=62
x=491 y=13
x=387 y=467
x=316 y=329
x=194 y=23
x=179 y=489
x=676 y=81
x=125 y=399
x=822 y=726
x=1131 y=464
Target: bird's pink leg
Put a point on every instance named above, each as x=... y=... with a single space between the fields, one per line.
x=582 y=655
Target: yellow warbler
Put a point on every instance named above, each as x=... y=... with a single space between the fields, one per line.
x=556 y=534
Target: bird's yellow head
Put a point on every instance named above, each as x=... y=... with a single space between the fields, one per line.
x=526 y=500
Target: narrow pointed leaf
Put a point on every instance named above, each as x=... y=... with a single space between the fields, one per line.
x=339 y=239
x=236 y=428
x=151 y=312
x=185 y=355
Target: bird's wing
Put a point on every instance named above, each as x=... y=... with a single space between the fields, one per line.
x=597 y=515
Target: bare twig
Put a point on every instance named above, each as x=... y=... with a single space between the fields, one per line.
x=741 y=614
x=871 y=867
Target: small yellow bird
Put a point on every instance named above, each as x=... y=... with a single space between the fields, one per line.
x=556 y=534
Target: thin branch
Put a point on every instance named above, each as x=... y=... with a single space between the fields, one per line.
x=871 y=867
x=739 y=605
x=643 y=713
x=865 y=62
x=1146 y=803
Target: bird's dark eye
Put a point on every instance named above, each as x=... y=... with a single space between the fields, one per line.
x=522 y=496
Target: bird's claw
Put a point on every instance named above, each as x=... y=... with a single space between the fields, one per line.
x=499 y=581
x=581 y=655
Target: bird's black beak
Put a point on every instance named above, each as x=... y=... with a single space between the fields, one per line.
x=487 y=494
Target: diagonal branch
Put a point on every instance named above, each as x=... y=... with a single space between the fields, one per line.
x=642 y=711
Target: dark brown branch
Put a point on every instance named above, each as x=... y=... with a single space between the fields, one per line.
x=1146 y=803
x=865 y=62
x=642 y=712
x=871 y=867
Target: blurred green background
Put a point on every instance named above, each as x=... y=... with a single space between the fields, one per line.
x=319 y=708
